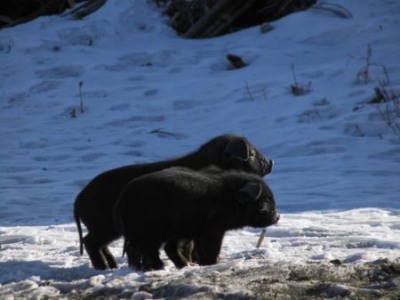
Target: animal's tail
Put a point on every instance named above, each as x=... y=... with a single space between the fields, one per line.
x=78 y=225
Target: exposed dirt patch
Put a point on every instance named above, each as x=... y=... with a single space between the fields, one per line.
x=331 y=280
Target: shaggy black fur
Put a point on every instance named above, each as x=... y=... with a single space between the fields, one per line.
x=94 y=204
x=179 y=203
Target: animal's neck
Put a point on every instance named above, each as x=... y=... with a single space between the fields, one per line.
x=236 y=222
x=233 y=216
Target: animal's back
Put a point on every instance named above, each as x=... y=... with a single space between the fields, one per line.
x=102 y=191
x=170 y=199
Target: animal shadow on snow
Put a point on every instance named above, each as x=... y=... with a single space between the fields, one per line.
x=25 y=270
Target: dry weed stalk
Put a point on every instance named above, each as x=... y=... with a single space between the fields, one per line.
x=363 y=74
x=391 y=111
x=249 y=90
x=80 y=97
x=297 y=89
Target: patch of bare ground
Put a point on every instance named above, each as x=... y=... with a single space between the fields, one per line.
x=332 y=280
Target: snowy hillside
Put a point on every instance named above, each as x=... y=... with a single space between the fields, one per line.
x=149 y=95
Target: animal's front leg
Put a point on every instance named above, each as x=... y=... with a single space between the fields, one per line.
x=179 y=251
x=208 y=248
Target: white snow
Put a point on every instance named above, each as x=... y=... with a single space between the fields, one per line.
x=337 y=161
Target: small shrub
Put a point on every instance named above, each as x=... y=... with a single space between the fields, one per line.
x=81 y=105
x=296 y=89
x=388 y=107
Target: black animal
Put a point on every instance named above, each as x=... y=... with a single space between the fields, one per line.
x=179 y=203
x=94 y=204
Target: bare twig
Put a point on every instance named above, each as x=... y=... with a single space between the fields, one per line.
x=294 y=75
x=249 y=91
x=385 y=81
x=391 y=112
x=81 y=98
x=261 y=238
x=162 y=132
x=364 y=72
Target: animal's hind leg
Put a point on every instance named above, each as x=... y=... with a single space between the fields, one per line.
x=111 y=262
x=134 y=255
x=96 y=243
x=94 y=250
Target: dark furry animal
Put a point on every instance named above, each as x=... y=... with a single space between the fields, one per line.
x=179 y=203
x=94 y=204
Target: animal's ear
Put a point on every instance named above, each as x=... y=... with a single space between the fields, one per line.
x=237 y=148
x=250 y=192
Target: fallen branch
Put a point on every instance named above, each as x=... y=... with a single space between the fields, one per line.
x=261 y=238
x=161 y=132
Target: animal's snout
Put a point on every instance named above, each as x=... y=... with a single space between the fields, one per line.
x=277 y=217
x=268 y=165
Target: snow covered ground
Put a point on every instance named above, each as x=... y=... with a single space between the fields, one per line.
x=150 y=95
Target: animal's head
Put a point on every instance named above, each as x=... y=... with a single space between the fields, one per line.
x=236 y=152
x=257 y=204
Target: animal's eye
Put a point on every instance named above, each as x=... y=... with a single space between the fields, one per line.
x=253 y=153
